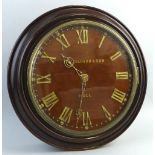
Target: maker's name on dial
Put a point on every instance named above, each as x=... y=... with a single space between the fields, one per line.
x=86 y=95
x=88 y=61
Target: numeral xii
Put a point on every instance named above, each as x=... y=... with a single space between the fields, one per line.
x=82 y=36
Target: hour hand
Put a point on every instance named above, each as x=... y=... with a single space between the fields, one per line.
x=84 y=78
x=68 y=61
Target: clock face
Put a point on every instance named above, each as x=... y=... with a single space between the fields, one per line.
x=82 y=78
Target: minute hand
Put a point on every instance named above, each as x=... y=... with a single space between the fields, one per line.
x=69 y=63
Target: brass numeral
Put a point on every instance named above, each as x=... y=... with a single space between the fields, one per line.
x=101 y=42
x=44 y=55
x=118 y=95
x=121 y=75
x=65 y=116
x=43 y=79
x=86 y=120
x=63 y=41
x=82 y=36
x=106 y=113
x=115 y=56
x=49 y=100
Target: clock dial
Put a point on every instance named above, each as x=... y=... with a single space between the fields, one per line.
x=82 y=77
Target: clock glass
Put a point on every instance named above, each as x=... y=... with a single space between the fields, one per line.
x=82 y=77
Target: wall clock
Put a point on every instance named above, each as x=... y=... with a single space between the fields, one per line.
x=76 y=77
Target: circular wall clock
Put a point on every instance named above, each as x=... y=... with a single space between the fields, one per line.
x=76 y=77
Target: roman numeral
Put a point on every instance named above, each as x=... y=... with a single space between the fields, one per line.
x=86 y=120
x=121 y=75
x=82 y=36
x=118 y=95
x=65 y=116
x=63 y=41
x=101 y=42
x=115 y=56
x=49 y=100
x=43 y=79
x=44 y=55
x=107 y=113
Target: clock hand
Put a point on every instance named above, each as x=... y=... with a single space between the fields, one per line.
x=69 y=63
x=79 y=111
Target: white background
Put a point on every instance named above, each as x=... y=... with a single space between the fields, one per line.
x=137 y=15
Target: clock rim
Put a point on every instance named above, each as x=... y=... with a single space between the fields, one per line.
x=19 y=99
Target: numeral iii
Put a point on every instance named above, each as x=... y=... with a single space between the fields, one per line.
x=121 y=75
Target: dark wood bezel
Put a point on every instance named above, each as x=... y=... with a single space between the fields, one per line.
x=17 y=82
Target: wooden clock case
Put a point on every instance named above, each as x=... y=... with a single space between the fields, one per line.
x=17 y=79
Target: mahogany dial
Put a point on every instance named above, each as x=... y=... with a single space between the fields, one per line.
x=82 y=77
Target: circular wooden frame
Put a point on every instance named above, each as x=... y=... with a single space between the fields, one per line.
x=17 y=82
